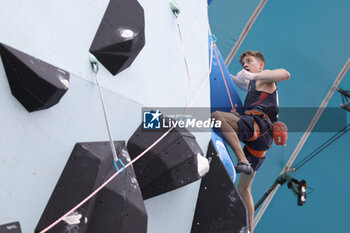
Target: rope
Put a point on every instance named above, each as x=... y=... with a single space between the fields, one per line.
x=207 y=75
x=134 y=160
x=311 y=190
x=223 y=77
x=185 y=59
x=106 y=119
x=318 y=114
x=267 y=193
x=322 y=147
x=105 y=183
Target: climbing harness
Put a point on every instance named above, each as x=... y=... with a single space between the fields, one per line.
x=279 y=129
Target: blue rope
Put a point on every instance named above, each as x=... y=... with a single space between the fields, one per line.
x=116 y=165
x=214 y=38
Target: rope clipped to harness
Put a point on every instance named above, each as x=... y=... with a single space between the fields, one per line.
x=279 y=129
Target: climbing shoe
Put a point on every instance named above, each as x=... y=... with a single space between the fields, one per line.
x=243 y=167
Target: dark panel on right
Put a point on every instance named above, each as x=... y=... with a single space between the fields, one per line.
x=219 y=208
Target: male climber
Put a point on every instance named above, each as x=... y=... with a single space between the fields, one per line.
x=254 y=126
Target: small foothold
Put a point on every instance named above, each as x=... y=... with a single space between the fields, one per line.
x=174 y=7
x=93 y=61
x=92 y=58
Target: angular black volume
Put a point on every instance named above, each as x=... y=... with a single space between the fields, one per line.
x=89 y=165
x=120 y=204
x=219 y=206
x=172 y=163
x=85 y=170
x=120 y=36
x=36 y=84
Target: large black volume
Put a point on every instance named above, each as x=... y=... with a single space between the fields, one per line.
x=85 y=170
x=120 y=36
x=171 y=164
x=36 y=84
x=111 y=210
x=119 y=206
x=219 y=206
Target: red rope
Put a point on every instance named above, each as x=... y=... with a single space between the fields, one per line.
x=223 y=77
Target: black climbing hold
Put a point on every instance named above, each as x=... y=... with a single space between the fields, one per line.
x=120 y=36
x=219 y=206
x=120 y=204
x=85 y=170
x=13 y=227
x=36 y=84
x=171 y=164
x=89 y=165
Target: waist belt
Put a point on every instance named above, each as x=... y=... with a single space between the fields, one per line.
x=259 y=113
x=256 y=134
x=256 y=153
x=265 y=116
x=279 y=129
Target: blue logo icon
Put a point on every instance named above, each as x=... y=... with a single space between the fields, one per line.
x=151 y=119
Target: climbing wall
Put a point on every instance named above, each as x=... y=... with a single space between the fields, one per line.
x=36 y=145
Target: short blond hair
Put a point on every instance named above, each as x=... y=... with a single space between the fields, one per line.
x=256 y=54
